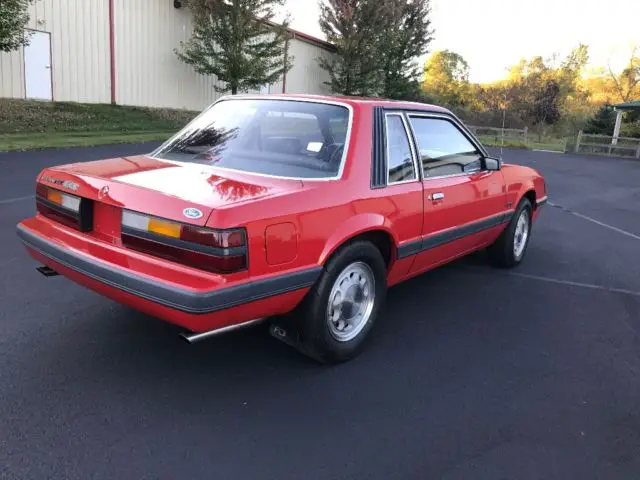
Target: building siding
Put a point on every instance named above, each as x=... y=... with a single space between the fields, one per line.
x=148 y=72
x=11 y=74
x=79 y=51
x=306 y=76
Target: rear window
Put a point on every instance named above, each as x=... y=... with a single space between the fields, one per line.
x=284 y=138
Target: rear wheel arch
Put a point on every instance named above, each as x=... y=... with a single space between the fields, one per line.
x=375 y=227
x=380 y=238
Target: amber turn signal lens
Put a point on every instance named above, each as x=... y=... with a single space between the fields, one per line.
x=54 y=196
x=168 y=229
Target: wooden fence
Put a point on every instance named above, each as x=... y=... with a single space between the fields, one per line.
x=606 y=145
x=496 y=135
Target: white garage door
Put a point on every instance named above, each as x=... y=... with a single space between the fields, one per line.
x=37 y=66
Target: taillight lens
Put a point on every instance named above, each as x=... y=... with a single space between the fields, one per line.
x=70 y=210
x=218 y=251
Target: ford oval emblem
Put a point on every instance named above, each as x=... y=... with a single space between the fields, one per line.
x=192 y=213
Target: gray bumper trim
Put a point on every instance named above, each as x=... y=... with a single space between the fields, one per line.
x=158 y=292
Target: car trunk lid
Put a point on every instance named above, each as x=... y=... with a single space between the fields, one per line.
x=182 y=192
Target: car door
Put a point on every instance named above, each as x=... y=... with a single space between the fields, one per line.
x=464 y=203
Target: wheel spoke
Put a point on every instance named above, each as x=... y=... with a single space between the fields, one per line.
x=337 y=299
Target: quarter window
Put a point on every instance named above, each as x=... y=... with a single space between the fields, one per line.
x=443 y=148
x=400 y=165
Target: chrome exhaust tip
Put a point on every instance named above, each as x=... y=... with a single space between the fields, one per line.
x=197 y=337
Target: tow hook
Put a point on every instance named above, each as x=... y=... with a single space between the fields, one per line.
x=47 y=271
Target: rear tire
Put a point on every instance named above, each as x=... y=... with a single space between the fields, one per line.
x=510 y=248
x=339 y=312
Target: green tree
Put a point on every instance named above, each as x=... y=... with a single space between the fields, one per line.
x=603 y=122
x=446 y=78
x=546 y=109
x=238 y=42
x=355 y=27
x=405 y=38
x=14 y=16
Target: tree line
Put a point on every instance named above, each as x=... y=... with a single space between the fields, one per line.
x=552 y=95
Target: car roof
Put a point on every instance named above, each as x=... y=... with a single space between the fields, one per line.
x=353 y=101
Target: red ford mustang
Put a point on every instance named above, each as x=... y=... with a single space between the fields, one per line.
x=300 y=209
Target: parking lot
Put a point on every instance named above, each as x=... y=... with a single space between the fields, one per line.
x=472 y=373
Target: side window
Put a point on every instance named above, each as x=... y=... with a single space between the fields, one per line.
x=443 y=148
x=400 y=166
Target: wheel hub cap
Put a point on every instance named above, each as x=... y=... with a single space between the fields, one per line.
x=351 y=302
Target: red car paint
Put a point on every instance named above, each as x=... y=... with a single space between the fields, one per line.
x=292 y=226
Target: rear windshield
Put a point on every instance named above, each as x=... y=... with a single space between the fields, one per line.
x=284 y=138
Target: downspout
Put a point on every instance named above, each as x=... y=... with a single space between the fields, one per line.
x=112 y=50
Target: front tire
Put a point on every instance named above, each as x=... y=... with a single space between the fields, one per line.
x=340 y=310
x=510 y=248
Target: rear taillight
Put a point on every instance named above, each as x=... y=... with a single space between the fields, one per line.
x=219 y=251
x=75 y=212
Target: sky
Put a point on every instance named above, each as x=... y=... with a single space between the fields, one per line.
x=494 y=34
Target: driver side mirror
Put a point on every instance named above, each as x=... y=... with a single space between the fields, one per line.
x=492 y=164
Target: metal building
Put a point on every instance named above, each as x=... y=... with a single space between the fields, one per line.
x=122 y=51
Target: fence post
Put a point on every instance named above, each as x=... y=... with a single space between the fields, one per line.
x=526 y=137
x=578 y=141
x=638 y=150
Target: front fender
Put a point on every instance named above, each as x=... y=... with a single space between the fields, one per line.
x=354 y=226
x=518 y=181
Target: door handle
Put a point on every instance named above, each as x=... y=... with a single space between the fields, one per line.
x=436 y=196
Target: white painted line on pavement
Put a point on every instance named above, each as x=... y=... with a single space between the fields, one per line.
x=597 y=222
x=611 y=227
x=547 y=151
x=556 y=281
x=3 y=264
x=16 y=199
x=573 y=284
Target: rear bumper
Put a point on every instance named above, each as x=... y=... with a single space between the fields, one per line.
x=198 y=310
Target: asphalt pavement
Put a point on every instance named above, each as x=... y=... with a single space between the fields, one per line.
x=471 y=373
